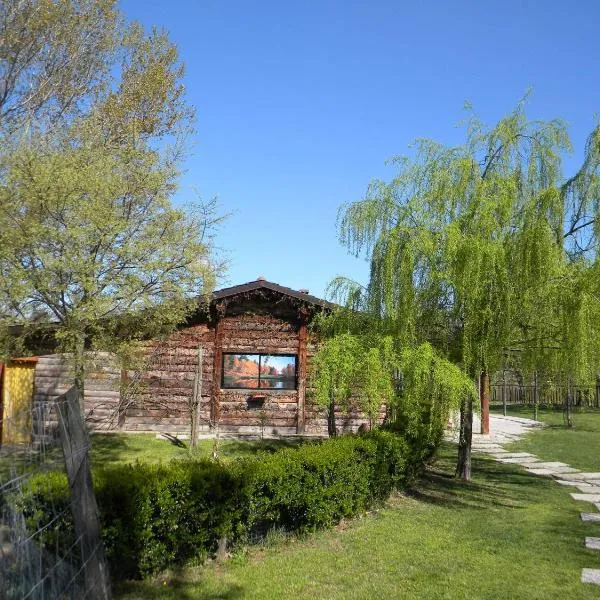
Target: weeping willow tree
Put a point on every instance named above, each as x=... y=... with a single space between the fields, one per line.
x=418 y=387
x=431 y=388
x=338 y=372
x=478 y=249
x=555 y=267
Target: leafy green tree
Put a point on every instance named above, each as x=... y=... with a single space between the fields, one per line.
x=90 y=242
x=55 y=57
x=417 y=386
x=432 y=387
x=375 y=386
x=335 y=372
x=464 y=243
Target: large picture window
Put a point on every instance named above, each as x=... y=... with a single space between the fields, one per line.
x=259 y=371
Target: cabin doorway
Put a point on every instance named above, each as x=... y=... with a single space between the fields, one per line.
x=17 y=383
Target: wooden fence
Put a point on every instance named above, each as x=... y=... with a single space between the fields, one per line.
x=584 y=396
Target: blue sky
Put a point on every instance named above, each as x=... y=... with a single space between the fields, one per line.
x=299 y=104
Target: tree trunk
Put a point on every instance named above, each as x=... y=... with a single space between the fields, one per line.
x=484 y=397
x=79 y=370
x=331 y=430
x=463 y=465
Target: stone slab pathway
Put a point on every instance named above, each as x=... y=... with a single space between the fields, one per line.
x=586 y=488
x=552 y=471
x=590 y=576
x=592 y=517
x=509 y=429
x=593 y=543
x=524 y=460
x=582 y=476
x=586 y=497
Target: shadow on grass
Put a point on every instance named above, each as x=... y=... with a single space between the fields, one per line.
x=493 y=485
x=250 y=448
x=109 y=447
x=177 y=584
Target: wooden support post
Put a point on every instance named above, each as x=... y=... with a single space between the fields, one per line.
x=122 y=410
x=504 y=392
x=484 y=397
x=569 y=403
x=86 y=520
x=535 y=396
x=215 y=406
x=597 y=391
x=196 y=399
x=302 y=369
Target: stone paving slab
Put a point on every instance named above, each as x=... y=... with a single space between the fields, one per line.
x=487 y=445
x=543 y=472
x=556 y=472
x=567 y=483
x=551 y=465
x=591 y=517
x=586 y=488
x=590 y=576
x=586 y=497
x=484 y=441
x=593 y=543
x=524 y=460
x=514 y=455
x=582 y=476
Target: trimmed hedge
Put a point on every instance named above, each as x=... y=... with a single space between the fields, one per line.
x=157 y=516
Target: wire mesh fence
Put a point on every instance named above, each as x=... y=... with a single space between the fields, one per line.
x=50 y=545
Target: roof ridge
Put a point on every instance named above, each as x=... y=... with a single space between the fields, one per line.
x=273 y=286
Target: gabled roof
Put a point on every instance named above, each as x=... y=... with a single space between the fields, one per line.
x=301 y=298
x=301 y=295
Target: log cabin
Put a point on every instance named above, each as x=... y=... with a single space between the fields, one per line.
x=242 y=361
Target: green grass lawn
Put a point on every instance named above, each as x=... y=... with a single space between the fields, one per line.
x=506 y=535
x=120 y=448
x=578 y=446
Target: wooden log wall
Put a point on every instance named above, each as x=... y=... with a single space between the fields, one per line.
x=156 y=396
x=53 y=377
x=259 y=333
x=165 y=387
x=159 y=395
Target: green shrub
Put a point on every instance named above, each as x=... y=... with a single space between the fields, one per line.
x=45 y=500
x=310 y=487
x=156 y=516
